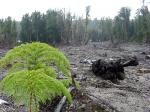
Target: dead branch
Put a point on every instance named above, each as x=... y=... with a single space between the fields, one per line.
x=102 y=102
x=62 y=101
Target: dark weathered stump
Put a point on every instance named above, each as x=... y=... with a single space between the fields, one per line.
x=112 y=70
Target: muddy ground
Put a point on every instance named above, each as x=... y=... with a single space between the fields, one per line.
x=98 y=95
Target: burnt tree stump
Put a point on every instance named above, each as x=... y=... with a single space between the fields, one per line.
x=112 y=70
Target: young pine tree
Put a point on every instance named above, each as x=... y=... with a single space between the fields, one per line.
x=32 y=77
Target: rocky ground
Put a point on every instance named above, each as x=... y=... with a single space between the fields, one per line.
x=98 y=95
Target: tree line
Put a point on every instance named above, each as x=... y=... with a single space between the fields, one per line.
x=59 y=26
x=8 y=32
x=122 y=28
x=56 y=26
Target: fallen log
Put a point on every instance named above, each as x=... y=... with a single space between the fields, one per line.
x=113 y=69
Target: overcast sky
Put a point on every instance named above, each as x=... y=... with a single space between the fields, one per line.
x=99 y=8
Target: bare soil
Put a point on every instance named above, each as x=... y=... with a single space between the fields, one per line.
x=96 y=94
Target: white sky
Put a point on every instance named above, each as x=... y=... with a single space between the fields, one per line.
x=99 y=8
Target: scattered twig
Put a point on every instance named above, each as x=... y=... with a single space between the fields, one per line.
x=62 y=101
x=109 y=84
x=143 y=70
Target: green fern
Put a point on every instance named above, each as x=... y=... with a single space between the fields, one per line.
x=31 y=78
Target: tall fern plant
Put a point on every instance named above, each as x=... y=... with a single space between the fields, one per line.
x=32 y=77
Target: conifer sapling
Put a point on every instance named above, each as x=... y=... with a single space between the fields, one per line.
x=32 y=77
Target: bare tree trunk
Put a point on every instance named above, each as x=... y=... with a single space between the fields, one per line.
x=37 y=37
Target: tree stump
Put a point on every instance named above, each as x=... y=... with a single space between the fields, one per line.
x=112 y=70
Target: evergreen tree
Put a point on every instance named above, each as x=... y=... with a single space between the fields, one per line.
x=32 y=77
